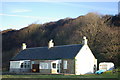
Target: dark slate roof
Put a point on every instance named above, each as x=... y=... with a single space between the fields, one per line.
x=45 y=53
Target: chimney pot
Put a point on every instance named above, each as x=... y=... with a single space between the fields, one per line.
x=85 y=40
x=50 y=44
x=24 y=46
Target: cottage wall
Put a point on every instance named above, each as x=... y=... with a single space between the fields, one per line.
x=15 y=66
x=45 y=71
x=18 y=70
x=70 y=66
x=85 y=61
x=48 y=66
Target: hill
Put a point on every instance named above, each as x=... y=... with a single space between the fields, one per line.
x=101 y=31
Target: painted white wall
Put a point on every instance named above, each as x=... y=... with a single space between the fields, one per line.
x=84 y=61
x=55 y=61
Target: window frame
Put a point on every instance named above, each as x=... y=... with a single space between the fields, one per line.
x=25 y=65
x=54 y=65
x=65 y=63
x=43 y=65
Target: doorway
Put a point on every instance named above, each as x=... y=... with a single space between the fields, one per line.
x=94 y=69
x=35 y=67
x=58 y=68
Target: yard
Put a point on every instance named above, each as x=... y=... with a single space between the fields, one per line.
x=108 y=75
x=104 y=75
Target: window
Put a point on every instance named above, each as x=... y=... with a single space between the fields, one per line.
x=21 y=65
x=54 y=65
x=25 y=65
x=14 y=64
x=28 y=65
x=43 y=65
x=33 y=62
x=104 y=66
x=65 y=64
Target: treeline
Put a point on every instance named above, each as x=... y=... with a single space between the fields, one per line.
x=101 y=31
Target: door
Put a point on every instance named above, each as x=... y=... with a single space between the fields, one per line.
x=58 y=68
x=94 y=69
x=35 y=67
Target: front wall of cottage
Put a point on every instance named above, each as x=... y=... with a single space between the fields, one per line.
x=45 y=66
x=39 y=66
x=70 y=69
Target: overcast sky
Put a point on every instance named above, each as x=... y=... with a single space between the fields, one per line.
x=17 y=15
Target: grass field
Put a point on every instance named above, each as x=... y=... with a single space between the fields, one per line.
x=108 y=75
x=104 y=75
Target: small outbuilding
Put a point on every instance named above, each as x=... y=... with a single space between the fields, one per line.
x=69 y=59
x=106 y=66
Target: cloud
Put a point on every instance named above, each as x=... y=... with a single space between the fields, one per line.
x=21 y=11
x=42 y=19
x=17 y=15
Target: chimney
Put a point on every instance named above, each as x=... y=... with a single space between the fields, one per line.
x=85 y=40
x=24 y=46
x=50 y=44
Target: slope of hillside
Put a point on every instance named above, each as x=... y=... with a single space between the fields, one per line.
x=101 y=31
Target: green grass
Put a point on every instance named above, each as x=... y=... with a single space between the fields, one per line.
x=104 y=75
x=107 y=74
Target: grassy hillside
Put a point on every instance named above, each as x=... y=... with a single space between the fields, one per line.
x=101 y=31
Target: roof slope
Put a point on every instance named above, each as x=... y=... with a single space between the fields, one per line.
x=45 y=53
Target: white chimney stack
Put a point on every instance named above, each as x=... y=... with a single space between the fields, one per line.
x=85 y=40
x=50 y=44
x=24 y=46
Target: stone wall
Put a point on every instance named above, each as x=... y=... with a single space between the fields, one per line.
x=45 y=71
x=70 y=66
x=19 y=70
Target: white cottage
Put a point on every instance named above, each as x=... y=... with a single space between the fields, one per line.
x=69 y=59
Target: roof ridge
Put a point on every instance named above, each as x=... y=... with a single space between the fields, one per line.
x=68 y=45
x=55 y=46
